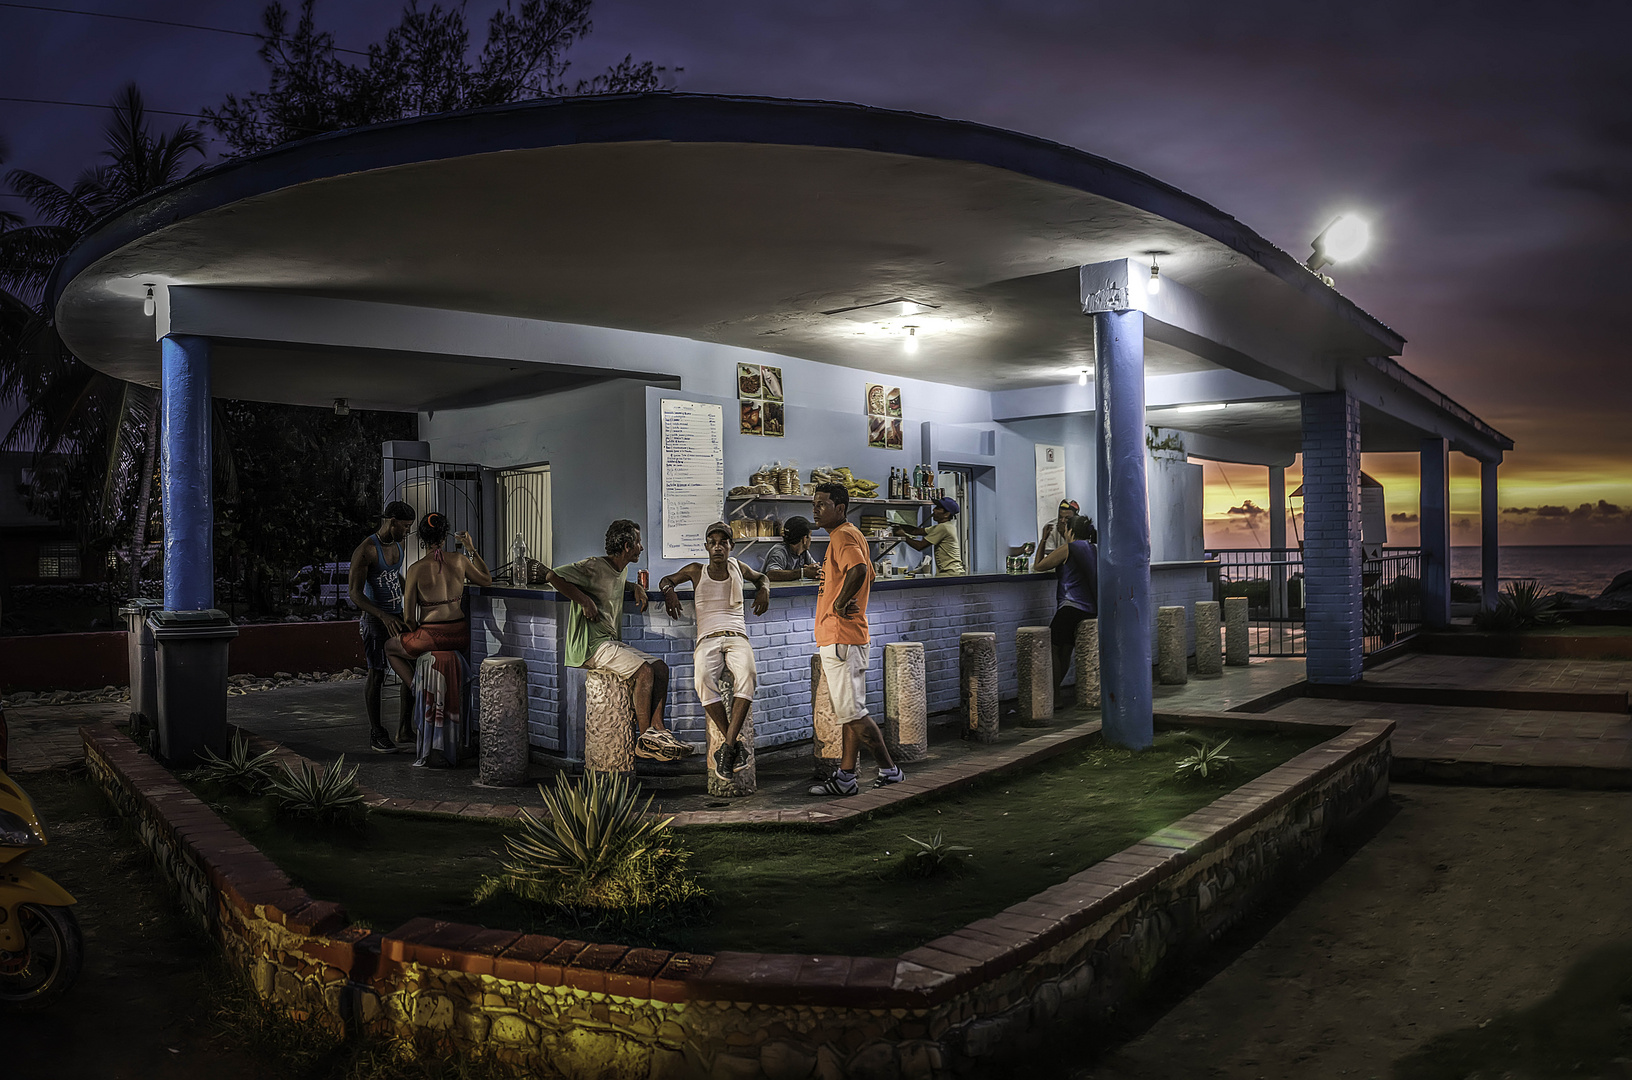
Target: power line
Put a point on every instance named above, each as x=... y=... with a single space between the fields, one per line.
x=89 y=105
x=155 y=22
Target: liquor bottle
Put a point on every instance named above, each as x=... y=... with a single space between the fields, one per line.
x=895 y=483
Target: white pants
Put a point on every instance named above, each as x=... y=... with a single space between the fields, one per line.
x=713 y=656
x=845 y=668
x=624 y=661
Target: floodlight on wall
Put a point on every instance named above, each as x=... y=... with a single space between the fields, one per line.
x=910 y=345
x=1345 y=239
x=148 y=305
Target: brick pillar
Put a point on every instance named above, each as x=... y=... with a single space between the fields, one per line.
x=1434 y=514
x=1488 y=557
x=1331 y=546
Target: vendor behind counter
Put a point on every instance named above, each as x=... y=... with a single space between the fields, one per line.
x=791 y=560
x=942 y=535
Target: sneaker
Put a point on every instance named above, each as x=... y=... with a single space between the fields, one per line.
x=741 y=761
x=647 y=746
x=894 y=776
x=725 y=761
x=840 y=783
x=381 y=742
x=675 y=746
x=420 y=763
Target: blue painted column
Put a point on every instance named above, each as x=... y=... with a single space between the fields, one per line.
x=189 y=510
x=1331 y=538
x=1277 y=541
x=1488 y=558
x=1434 y=515
x=1126 y=616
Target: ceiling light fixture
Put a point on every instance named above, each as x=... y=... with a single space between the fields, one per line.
x=911 y=344
x=1082 y=376
x=148 y=306
x=1155 y=285
x=1210 y=407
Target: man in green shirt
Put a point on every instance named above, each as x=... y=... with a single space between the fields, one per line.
x=597 y=588
x=942 y=536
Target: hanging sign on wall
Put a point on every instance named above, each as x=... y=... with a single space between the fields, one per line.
x=1050 y=483
x=693 y=434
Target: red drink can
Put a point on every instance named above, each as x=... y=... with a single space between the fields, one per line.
x=645 y=579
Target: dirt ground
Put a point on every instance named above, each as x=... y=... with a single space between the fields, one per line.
x=1475 y=932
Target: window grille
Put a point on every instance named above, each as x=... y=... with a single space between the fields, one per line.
x=59 y=561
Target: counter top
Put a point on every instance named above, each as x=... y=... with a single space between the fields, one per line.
x=792 y=588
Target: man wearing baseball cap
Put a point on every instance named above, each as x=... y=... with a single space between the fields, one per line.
x=722 y=638
x=942 y=536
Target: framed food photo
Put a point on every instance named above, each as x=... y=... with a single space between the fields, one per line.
x=892 y=401
x=773 y=418
x=892 y=434
x=878 y=432
x=749 y=382
x=770 y=382
x=753 y=420
x=876 y=393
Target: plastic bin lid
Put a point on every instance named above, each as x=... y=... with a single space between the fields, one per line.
x=137 y=605
x=202 y=618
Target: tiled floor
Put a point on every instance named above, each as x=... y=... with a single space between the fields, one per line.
x=1494 y=673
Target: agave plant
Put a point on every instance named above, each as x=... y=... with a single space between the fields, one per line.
x=1205 y=761
x=594 y=826
x=328 y=795
x=250 y=775
x=1531 y=604
x=935 y=854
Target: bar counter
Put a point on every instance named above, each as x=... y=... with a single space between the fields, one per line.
x=526 y=622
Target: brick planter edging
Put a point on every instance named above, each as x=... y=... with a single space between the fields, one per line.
x=1075 y=951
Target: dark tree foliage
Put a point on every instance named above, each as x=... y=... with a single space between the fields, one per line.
x=308 y=490
x=422 y=66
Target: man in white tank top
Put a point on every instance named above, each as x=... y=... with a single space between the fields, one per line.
x=722 y=638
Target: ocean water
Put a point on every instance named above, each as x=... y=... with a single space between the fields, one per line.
x=1583 y=569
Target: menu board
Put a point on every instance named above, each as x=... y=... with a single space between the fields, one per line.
x=1050 y=483
x=693 y=467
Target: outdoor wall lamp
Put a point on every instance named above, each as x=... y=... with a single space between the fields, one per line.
x=147 y=305
x=1344 y=239
x=910 y=345
x=342 y=407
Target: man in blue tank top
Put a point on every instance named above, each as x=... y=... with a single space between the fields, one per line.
x=376 y=591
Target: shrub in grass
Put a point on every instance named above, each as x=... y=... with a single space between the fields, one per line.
x=239 y=770
x=597 y=854
x=1205 y=762
x=328 y=797
x=934 y=856
x=1521 y=605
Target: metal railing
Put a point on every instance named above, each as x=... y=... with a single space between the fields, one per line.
x=1391 y=597
x=1271 y=579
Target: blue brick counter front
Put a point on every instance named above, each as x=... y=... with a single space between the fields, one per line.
x=935 y=611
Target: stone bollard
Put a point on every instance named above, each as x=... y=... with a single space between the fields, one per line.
x=502 y=760
x=1235 y=631
x=1088 y=664
x=1209 y=650
x=827 y=738
x=1034 y=661
x=906 y=714
x=744 y=781
x=609 y=724
x=1170 y=650
x=977 y=685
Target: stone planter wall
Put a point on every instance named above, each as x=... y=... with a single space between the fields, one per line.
x=958 y=1006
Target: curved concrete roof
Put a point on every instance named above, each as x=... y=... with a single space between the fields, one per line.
x=741 y=221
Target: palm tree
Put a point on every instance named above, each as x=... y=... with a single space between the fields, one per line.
x=88 y=431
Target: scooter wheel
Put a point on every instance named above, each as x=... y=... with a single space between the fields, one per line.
x=49 y=961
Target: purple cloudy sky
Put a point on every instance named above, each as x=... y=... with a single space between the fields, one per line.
x=1490 y=142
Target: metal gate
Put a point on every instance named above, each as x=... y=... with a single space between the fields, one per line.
x=454 y=490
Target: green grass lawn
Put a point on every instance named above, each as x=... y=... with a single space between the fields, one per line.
x=796 y=889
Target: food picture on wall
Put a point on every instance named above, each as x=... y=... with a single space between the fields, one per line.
x=749 y=383
x=892 y=434
x=875 y=399
x=878 y=432
x=892 y=401
x=773 y=418
x=770 y=382
x=752 y=421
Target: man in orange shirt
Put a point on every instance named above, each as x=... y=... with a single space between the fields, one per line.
x=843 y=643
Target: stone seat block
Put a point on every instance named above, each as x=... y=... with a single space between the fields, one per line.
x=906 y=712
x=1034 y=663
x=502 y=761
x=609 y=723
x=978 y=685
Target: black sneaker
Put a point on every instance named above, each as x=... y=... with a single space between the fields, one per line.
x=725 y=761
x=381 y=742
x=885 y=779
x=741 y=761
x=837 y=784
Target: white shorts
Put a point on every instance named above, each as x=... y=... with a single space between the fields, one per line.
x=624 y=661
x=713 y=656
x=845 y=669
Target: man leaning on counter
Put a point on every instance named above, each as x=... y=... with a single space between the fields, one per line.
x=942 y=536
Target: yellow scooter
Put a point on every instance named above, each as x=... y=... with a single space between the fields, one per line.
x=40 y=944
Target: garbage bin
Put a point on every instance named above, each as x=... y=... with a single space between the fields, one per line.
x=144 y=686
x=190 y=660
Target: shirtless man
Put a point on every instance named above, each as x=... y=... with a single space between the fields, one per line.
x=376 y=591
x=722 y=638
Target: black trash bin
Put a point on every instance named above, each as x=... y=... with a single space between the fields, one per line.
x=190 y=661
x=144 y=682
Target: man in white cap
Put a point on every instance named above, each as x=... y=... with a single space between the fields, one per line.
x=722 y=638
